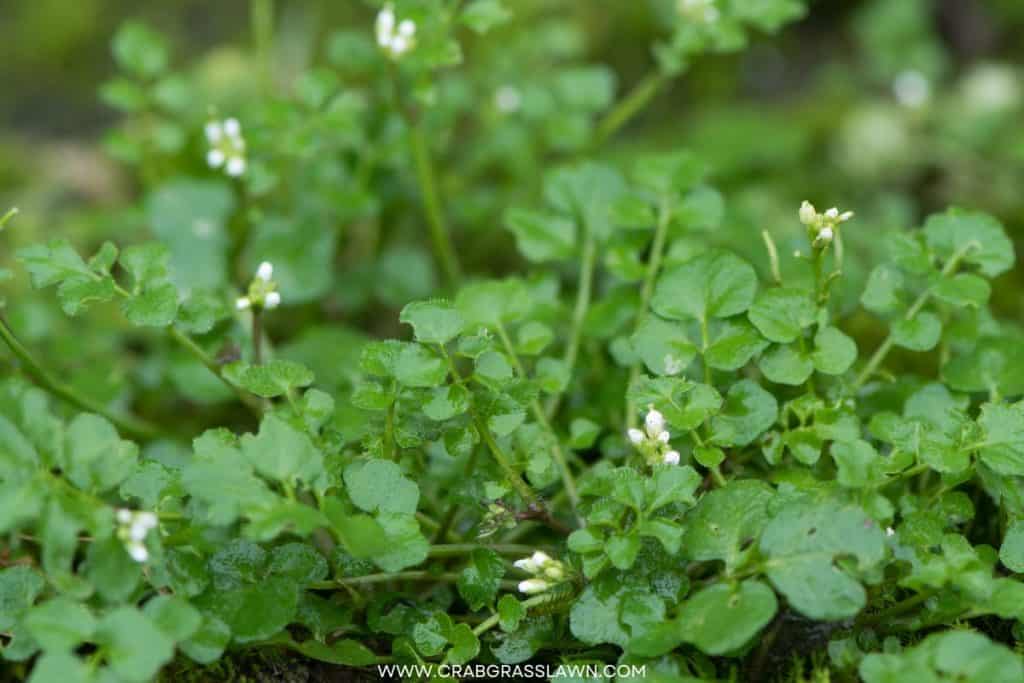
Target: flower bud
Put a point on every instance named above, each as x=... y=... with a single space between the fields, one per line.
x=671 y=458
x=636 y=437
x=655 y=423
x=532 y=586
x=265 y=271
x=807 y=213
x=272 y=300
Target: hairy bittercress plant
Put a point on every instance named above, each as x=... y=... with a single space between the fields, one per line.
x=687 y=454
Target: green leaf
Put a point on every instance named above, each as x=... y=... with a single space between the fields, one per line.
x=951 y=232
x=298 y=562
x=542 y=237
x=483 y=15
x=377 y=485
x=19 y=587
x=493 y=302
x=721 y=619
x=920 y=333
x=781 y=314
x=282 y=452
x=882 y=294
x=111 y=570
x=433 y=322
x=256 y=611
x=345 y=652
x=140 y=50
x=672 y=484
x=732 y=347
x=275 y=378
x=418 y=366
x=622 y=549
x=834 y=352
x=479 y=581
x=858 y=463
x=465 y=645
x=963 y=289
x=155 y=306
x=447 y=402
x=494 y=368
x=786 y=365
x=748 y=412
x=956 y=655
x=1003 y=445
x=190 y=216
x=724 y=520
x=594 y=617
x=586 y=190
x=802 y=541
x=60 y=624
x=1011 y=553
x=60 y=666
x=510 y=613
x=96 y=458
x=715 y=284
x=663 y=346
x=134 y=647
x=174 y=616
x=208 y=643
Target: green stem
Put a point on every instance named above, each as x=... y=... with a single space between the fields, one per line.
x=439 y=231
x=897 y=609
x=493 y=620
x=418 y=575
x=882 y=351
x=129 y=424
x=459 y=549
x=556 y=451
x=646 y=291
x=585 y=285
x=514 y=479
x=629 y=106
x=261 y=17
x=187 y=343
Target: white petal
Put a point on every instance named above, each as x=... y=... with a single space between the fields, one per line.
x=832 y=213
x=531 y=586
x=147 y=519
x=215 y=158
x=138 y=552
x=236 y=166
x=242 y=303
x=635 y=436
x=671 y=458
x=265 y=271
x=540 y=558
x=526 y=564
x=214 y=131
x=124 y=516
x=399 y=45
x=407 y=29
x=655 y=423
x=664 y=437
x=272 y=300
x=807 y=213
x=232 y=128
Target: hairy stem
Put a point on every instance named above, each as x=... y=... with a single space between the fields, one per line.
x=584 y=288
x=646 y=291
x=440 y=233
x=187 y=343
x=882 y=351
x=129 y=424
x=629 y=106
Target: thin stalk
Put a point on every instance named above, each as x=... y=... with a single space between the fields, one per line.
x=129 y=424
x=897 y=609
x=187 y=343
x=514 y=479
x=440 y=233
x=773 y=256
x=628 y=107
x=584 y=287
x=261 y=17
x=493 y=620
x=647 y=290
x=417 y=575
x=556 y=451
x=882 y=351
x=459 y=549
x=257 y=337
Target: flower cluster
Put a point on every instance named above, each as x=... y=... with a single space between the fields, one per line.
x=227 y=146
x=821 y=227
x=653 y=440
x=546 y=573
x=700 y=11
x=395 y=37
x=263 y=292
x=133 y=527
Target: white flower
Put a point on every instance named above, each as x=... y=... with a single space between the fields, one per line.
x=540 y=558
x=242 y=303
x=531 y=586
x=214 y=132
x=215 y=158
x=232 y=128
x=845 y=216
x=235 y=167
x=664 y=437
x=265 y=271
x=137 y=551
x=826 y=235
x=832 y=214
x=655 y=423
x=671 y=458
x=808 y=214
x=636 y=437
x=889 y=531
x=395 y=43
x=272 y=300
x=124 y=516
x=555 y=571
x=527 y=565
x=507 y=99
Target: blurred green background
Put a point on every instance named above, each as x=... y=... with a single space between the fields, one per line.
x=891 y=108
